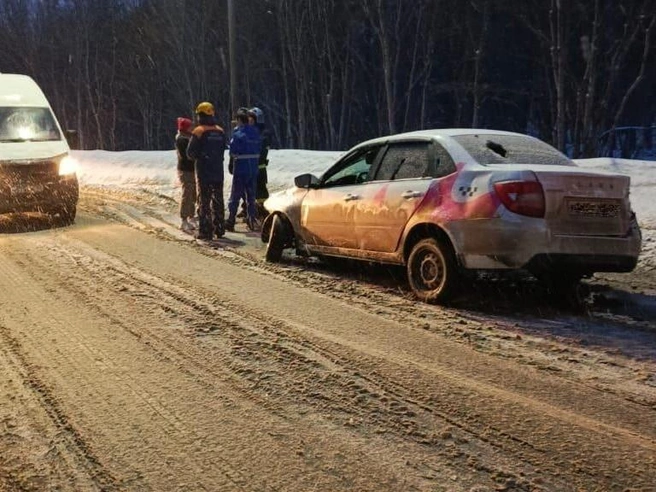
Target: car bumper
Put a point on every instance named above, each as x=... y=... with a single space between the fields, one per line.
x=41 y=197
x=489 y=244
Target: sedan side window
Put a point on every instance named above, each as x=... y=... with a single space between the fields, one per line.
x=445 y=164
x=405 y=160
x=353 y=169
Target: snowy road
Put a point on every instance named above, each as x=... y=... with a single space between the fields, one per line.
x=135 y=359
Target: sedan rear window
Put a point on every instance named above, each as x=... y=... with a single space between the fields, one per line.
x=510 y=149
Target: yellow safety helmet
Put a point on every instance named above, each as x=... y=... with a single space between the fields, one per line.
x=206 y=108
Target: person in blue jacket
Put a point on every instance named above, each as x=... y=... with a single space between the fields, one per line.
x=245 y=147
x=207 y=147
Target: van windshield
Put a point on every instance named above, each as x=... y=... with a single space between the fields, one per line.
x=25 y=124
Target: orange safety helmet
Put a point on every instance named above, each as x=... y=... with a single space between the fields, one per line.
x=205 y=108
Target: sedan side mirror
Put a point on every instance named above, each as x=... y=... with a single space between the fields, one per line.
x=306 y=181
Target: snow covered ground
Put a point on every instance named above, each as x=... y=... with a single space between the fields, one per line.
x=155 y=170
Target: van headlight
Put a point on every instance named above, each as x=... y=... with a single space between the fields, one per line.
x=67 y=165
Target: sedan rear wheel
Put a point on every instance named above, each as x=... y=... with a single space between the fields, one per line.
x=277 y=239
x=565 y=288
x=432 y=271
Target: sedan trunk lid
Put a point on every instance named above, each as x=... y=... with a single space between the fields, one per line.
x=584 y=203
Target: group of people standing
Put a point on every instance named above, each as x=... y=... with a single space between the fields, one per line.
x=201 y=150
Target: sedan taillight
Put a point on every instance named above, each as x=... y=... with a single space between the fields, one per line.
x=522 y=197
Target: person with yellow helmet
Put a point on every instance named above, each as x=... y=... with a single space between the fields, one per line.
x=207 y=147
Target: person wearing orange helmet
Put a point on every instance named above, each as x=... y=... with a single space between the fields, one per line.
x=207 y=147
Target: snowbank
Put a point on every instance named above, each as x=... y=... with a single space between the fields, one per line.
x=643 y=183
x=156 y=169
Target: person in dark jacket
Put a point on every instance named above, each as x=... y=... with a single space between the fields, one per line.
x=256 y=117
x=207 y=147
x=245 y=147
x=186 y=175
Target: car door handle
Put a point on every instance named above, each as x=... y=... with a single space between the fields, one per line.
x=349 y=197
x=412 y=194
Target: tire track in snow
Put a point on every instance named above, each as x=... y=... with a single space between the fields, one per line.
x=319 y=354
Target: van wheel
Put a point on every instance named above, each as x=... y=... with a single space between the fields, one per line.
x=432 y=271
x=67 y=214
x=278 y=234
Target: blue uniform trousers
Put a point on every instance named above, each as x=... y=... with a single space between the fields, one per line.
x=243 y=186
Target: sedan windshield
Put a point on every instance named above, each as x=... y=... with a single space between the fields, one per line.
x=510 y=149
x=23 y=124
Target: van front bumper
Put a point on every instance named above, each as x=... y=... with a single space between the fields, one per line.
x=35 y=196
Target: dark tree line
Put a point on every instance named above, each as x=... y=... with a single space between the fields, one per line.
x=329 y=73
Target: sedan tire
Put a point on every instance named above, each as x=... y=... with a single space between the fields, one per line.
x=432 y=271
x=277 y=239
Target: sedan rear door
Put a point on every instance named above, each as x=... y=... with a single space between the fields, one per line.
x=400 y=184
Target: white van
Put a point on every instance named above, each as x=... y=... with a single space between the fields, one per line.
x=37 y=172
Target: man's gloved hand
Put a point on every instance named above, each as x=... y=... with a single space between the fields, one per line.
x=231 y=165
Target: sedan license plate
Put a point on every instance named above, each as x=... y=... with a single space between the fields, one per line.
x=593 y=208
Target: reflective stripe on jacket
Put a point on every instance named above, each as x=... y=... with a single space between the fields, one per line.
x=245 y=148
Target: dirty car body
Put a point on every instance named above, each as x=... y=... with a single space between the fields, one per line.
x=444 y=201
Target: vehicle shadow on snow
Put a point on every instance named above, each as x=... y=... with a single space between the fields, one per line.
x=522 y=294
x=18 y=223
x=593 y=314
x=496 y=294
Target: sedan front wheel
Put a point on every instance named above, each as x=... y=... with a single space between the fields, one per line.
x=432 y=271
x=277 y=239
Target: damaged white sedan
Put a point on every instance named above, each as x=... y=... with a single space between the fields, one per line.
x=444 y=201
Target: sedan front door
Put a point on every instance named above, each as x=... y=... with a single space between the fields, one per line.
x=328 y=212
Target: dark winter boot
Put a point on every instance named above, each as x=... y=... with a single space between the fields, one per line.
x=242 y=213
x=230 y=225
x=252 y=224
x=261 y=211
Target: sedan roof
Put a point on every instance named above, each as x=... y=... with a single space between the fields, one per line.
x=439 y=132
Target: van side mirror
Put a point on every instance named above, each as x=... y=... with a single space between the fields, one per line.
x=306 y=181
x=73 y=139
